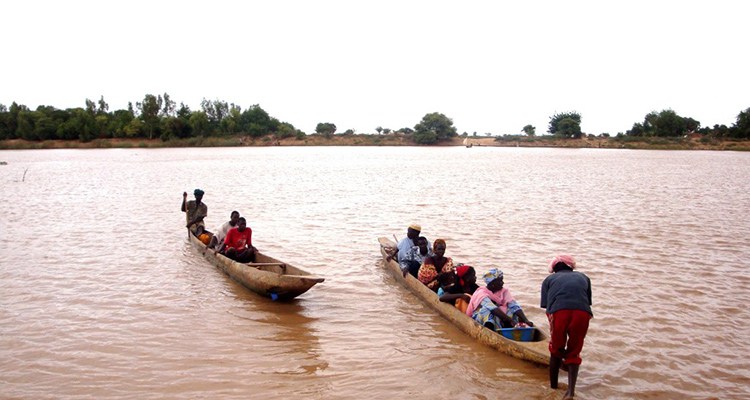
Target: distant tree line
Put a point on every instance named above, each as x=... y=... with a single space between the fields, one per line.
x=433 y=128
x=665 y=123
x=153 y=117
x=160 y=117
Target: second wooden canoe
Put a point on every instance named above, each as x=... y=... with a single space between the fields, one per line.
x=535 y=350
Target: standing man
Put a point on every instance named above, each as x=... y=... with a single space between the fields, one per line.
x=238 y=245
x=566 y=294
x=195 y=211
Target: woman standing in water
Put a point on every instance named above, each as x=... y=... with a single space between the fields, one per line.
x=566 y=294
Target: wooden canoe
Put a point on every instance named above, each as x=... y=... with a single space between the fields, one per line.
x=267 y=276
x=535 y=350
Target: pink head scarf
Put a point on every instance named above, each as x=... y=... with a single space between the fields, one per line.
x=563 y=258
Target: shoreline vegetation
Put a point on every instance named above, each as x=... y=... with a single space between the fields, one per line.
x=691 y=142
x=158 y=122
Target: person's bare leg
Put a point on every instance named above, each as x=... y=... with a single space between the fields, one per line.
x=554 y=370
x=572 y=378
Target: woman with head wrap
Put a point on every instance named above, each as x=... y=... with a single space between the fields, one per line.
x=493 y=306
x=566 y=294
x=467 y=278
x=434 y=265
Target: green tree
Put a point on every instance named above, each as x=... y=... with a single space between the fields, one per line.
x=326 y=129
x=433 y=128
x=149 y=113
x=569 y=128
x=174 y=127
x=529 y=130
x=741 y=128
x=256 y=122
x=134 y=128
x=81 y=125
x=47 y=119
x=215 y=111
x=103 y=106
x=120 y=119
x=285 y=130
x=169 y=106
x=231 y=122
x=637 y=130
x=555 y=120
x=379 y=129
x=4 y=117
x=199 y=123
x=720 y=131
x=11 y=120
x=669 y=124
x=665 y=123
x=25 y=129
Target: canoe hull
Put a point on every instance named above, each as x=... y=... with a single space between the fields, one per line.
x=535 y=351
x=276 y=279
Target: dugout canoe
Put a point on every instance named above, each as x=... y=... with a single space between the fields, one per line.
x=266 y=276
x=535 y=350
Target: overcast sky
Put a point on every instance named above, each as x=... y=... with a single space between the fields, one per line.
x=490 y=66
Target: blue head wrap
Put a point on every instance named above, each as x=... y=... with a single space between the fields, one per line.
x=491 y=275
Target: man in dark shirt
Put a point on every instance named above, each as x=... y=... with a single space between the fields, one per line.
x=566 y=294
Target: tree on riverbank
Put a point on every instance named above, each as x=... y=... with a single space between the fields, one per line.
x=529 y=130
x=665 y=123
x=567 y=125
x=433 y=128
x=741 y=128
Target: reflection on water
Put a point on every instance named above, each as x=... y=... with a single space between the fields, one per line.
x=104 y=297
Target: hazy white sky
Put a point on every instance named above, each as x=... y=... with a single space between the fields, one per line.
x=491 y=66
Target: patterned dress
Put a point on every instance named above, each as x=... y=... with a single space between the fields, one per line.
x=428 y=273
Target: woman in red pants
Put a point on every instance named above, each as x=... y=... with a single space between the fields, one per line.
x=566 y=294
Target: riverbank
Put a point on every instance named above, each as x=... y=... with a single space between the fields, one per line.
x=652 y=143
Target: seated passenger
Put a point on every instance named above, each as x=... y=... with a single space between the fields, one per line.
x=435 y=265
x=457 y=288
x=407 y=250
x=416 y=256
x=467 y=278
x=493 y=306
x=238 y=245
x=451 y=292
x=221 y=232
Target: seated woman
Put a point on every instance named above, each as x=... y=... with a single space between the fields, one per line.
x=457 y=288
x=434 y=265
x=493 y=306
x=467 y=278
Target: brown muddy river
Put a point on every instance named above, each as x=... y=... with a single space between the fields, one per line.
x=103 y=297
